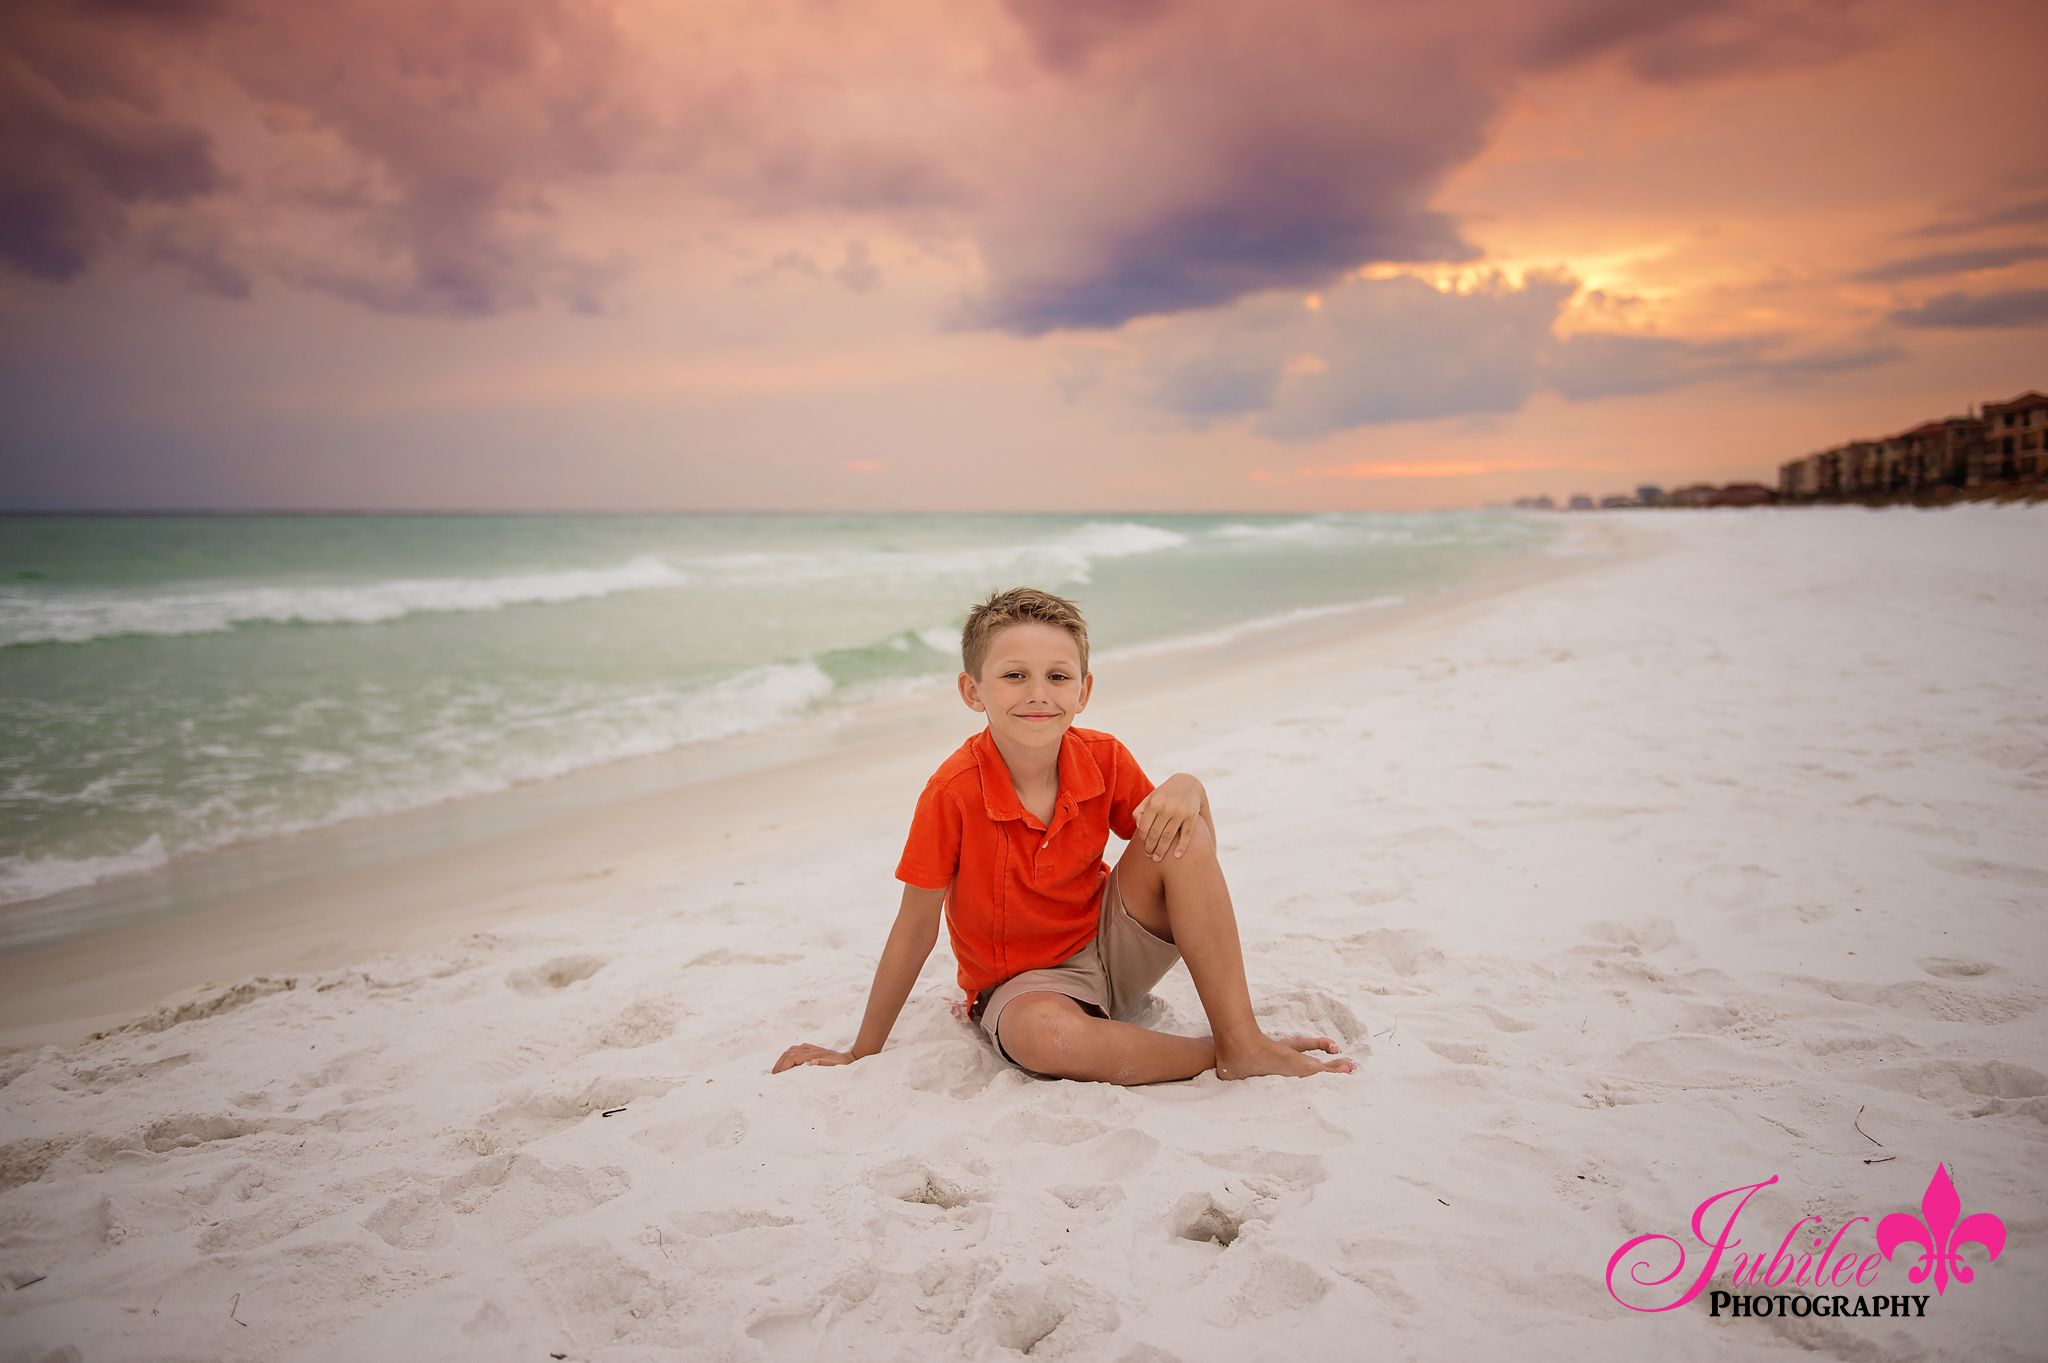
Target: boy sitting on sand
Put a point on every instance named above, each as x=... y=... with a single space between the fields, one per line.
x=1052 y=944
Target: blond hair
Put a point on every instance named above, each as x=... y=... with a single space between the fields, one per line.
x=1014 y=607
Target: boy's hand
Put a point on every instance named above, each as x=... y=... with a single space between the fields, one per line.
x=1166 y=817
x=804 y=1053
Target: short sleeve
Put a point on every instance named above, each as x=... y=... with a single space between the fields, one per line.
x=931 y=854
x=1128 y=787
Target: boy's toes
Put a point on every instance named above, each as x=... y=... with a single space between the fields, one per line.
x=1317 y=1065
x=1337 y=1064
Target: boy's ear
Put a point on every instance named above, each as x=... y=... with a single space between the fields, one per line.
x=971 y=694
x=1087 y=688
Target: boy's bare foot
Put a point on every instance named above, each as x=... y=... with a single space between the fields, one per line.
x=1280 y=1055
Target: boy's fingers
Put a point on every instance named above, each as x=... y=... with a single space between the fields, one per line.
x=808 y=1054
x=1168 y=829
x=803 y=1053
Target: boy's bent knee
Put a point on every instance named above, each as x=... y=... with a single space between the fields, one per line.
x=1042 y=1032
x=1201 y=844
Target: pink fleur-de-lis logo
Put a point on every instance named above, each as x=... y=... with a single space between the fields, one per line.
x=1941 y=1235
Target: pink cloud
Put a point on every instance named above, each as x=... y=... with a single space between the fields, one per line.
x=1107 y=160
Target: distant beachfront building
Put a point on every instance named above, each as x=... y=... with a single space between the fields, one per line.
x=2014 y=437
x=1700 y=494
x=1842 y=471
x=1932 y=454
x=2004 y=445
x=1743 y=494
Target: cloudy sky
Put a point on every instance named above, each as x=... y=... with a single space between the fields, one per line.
x=1041 y=254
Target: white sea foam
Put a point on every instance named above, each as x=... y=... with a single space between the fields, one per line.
x=1057 y=560
x=26 y=877
x=1181 y=642
x=1314 y=531
x=74 y=617
x=1120 y=539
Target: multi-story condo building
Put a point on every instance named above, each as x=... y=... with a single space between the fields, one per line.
x=2012 y=450
x=2007 y=444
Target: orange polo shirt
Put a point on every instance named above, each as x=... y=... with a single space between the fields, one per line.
x=1024 y=896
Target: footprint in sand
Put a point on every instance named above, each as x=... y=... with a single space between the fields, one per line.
x=642 y=1022
x=1311 y=1012
x=693 y=1135
x=1939 y=1002
x=505 y=1197
x=1405 y=952
x=527 y=1114
x=1089 y=1197
x=1249 y=1277
x=1959 y=1083
x=1460 y=1052
x=1216 y=1217
x=1049 y=1318
x=553 y=976
x=911 y=1180
x=1954 y=968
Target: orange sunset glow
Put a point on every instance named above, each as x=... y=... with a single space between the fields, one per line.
x=1032 y=254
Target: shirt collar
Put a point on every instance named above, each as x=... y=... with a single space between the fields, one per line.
x=1080 y=778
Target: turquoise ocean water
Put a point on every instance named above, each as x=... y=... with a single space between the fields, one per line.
x=170 y=684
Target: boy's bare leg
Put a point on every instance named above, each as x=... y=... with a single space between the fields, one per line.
x=1184 y=900
x=1051 y=1034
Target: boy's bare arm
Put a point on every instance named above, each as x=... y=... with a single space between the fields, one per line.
x=1166 y=817
x=911 y=940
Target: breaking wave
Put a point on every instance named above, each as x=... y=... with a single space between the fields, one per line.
x=76 y=617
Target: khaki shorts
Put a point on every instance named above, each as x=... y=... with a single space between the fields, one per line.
x=1106 y=977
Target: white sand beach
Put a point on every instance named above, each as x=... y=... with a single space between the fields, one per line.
x=1629 y=885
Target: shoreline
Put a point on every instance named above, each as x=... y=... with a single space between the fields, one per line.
x=143 y=884
x=330 y=896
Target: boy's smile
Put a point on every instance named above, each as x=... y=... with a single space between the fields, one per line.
x=1031 y=687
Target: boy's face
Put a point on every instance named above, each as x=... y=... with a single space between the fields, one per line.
x=1031 y=684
